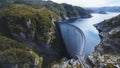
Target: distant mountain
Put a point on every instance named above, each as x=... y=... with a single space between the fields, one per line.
x=105 y=9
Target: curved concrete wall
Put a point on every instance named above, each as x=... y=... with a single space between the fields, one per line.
x=73 y=38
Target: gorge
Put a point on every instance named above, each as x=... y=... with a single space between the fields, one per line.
x=29 y=38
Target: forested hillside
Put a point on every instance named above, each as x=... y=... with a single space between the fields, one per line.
x=25 y=25
x=27 y=32
x=63 y=10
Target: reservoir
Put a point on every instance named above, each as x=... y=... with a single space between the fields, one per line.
x=91 y=33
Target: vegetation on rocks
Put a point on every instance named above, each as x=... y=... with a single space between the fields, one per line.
x=27 y=32
x=24 y=19
x=14 y=53
x=21 y=24
x=62 y=10
x=108 y=51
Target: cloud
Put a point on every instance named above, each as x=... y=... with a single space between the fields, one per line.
x=74 y=2
x=91 y=3
x=113 y=3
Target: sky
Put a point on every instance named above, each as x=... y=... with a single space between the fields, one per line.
x=90 y=3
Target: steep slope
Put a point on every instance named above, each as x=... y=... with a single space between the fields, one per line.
x=107 y=53
x=27 y=22
x=16 y=54
x=30 y=22
x=65 y=11
x=29 y=26
x=75 y=12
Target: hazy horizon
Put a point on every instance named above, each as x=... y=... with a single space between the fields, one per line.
x=90 y=3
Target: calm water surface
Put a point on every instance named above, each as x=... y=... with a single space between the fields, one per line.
x=92 y=35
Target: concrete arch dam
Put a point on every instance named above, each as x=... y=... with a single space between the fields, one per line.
x=73 y=39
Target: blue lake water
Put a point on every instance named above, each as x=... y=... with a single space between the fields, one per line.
x=91 y=34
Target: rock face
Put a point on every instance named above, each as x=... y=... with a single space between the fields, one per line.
x=30 y=22
x=65 y=11
x=15 y=54
x=29 y=26
x=107 y=53
x=68 y=63
x=35 y=29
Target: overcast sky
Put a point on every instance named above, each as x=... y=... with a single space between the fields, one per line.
x=90 y=3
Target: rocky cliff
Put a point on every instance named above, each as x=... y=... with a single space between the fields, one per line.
x=65 y=11
x=30 y=23
x=107 y=53
x=21 y=24
x=28 y=38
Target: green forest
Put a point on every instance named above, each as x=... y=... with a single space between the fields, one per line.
x=26 y=26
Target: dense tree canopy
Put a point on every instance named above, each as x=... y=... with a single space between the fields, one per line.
x=15 y=18
x=59 y=9
x=14 y=52
x=30 y=22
